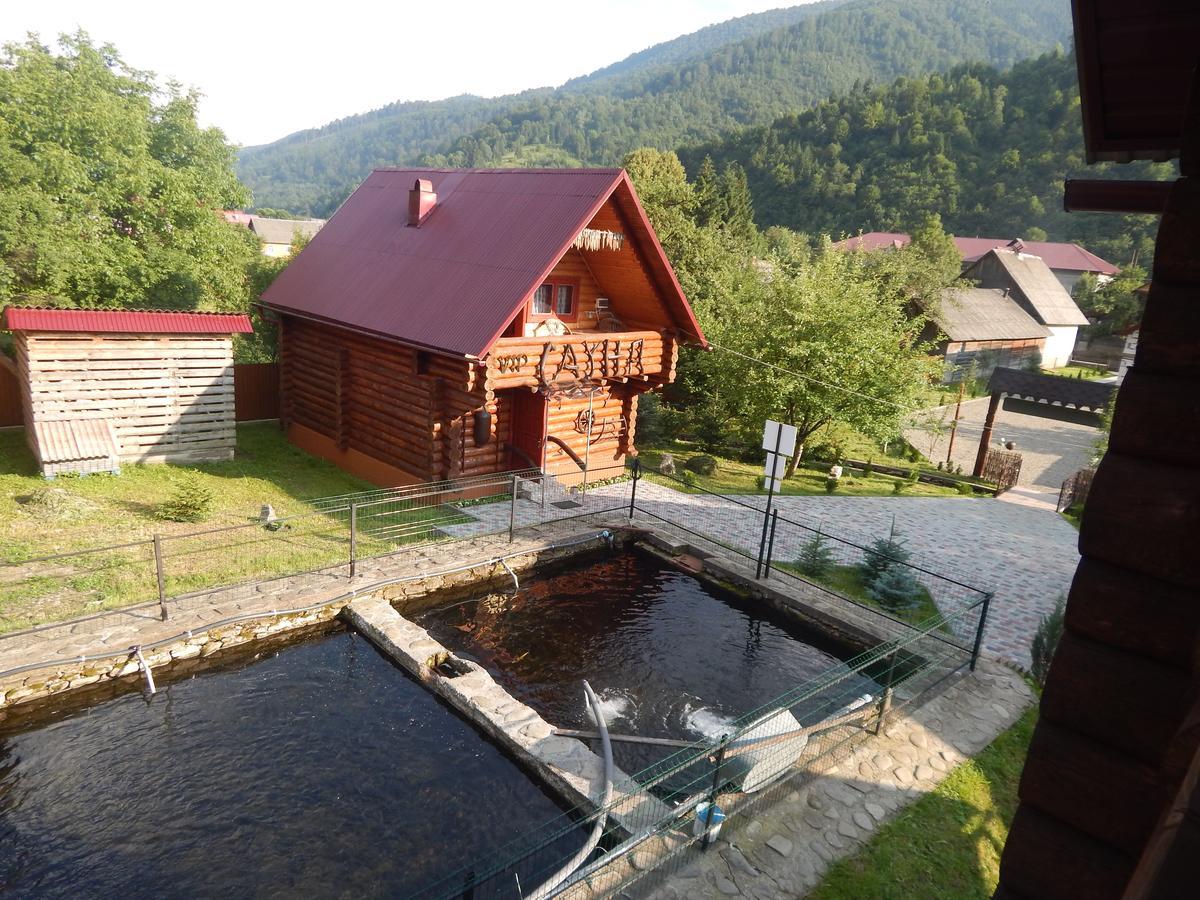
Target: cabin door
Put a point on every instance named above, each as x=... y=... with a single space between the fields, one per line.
x=528 y=428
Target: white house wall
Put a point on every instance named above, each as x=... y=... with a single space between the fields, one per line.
x=1059 y=346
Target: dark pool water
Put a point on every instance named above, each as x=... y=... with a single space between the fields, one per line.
x=321 y=771
x=668 y=655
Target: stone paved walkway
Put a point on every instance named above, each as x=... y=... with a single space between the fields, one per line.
x=783 y=849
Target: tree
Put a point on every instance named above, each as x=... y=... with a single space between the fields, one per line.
x=815 y=558
x=882 y=555
x=110 y=193
x=834 y=341
x=1117 y=304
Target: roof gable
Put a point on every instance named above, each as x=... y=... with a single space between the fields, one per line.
x=1057 y=255
x=986 y=314
x=456 y=281
x=1033 y=283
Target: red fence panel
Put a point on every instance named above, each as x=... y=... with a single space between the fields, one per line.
x=256 y=391
x=10 y=398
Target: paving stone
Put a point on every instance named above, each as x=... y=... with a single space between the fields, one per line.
x=863 y=820
x=877 y=812
x=924 y=773
x=835 y=840
x=727 y=887
x=780 y=844
x=846 y=828
x=737 y=862
x=904 y=776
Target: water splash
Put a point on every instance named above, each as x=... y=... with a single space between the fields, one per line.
x=615 y=704
x=707 y=722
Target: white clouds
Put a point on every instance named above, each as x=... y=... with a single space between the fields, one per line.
x=269 y=68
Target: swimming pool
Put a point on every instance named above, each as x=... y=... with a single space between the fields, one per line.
x=318 y=769
x=669 y=655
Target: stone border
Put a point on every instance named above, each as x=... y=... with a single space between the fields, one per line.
x=564 y=764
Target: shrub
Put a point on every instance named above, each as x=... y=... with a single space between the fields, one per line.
x=883 y=554
x=1045 y=640
x=815 y=557
x=190 y=501
x=701 y=465
x=831 y=484
x=899 y=485
x=868 y=468
x=913 y=454
x=761 y=482
x=964 y=488
x=688 y=477
x=895 y=589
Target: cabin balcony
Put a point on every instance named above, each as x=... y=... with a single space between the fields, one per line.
x=548 y=362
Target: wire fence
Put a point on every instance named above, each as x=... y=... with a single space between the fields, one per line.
x=333 y=537
x=652 y=825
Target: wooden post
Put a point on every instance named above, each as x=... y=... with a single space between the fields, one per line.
x=954 y=425
x=985 y=439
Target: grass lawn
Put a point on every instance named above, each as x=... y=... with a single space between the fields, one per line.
x=1085 y=372
x=41 y=518
x=947 y=844
x=848 y=581
x=735 y=477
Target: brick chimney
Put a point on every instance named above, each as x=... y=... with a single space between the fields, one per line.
x=421 y=201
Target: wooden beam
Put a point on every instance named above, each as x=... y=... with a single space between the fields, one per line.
x=1103 y=195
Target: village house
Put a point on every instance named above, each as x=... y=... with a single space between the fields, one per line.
x=449 y=323
x=1026 y=279
x=275 y=236
x=985 y=328
x=1068 y=262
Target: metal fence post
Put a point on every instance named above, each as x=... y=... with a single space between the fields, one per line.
x=983 y=614
x=716 y=786
x=771 y=543
x=353 y=539
x=158 y=573
x=512 y=510
x=637 y=474
x=885 y=702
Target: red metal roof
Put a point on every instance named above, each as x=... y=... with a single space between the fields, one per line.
x=456 y=281
x=134 y=321
x=1069 y=257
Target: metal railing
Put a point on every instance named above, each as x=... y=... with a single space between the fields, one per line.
x=796 y=737
x=334 y=537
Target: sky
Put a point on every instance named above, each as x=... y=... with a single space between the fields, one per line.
x=266 y=69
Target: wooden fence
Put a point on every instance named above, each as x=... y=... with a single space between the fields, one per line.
x=255 y=385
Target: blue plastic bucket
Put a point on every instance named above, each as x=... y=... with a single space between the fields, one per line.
x=708 y=821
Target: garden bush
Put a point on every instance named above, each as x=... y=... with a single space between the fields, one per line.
x=688 y=477
x=701 y=465
x=190 y=501
x=1045 y=640
x=831 y=484
x=964 y=488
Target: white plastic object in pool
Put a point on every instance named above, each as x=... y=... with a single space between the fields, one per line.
x=755 y=767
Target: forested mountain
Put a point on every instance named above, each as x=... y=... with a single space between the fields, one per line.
x=986 y=150
x=741 y=73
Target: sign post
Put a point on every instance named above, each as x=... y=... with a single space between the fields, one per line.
x=779 y=441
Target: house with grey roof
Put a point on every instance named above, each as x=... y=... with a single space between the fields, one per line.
x=985 y=328
x=276 y=235
x=1038 y=292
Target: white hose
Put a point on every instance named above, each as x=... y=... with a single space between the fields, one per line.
x=551 y=885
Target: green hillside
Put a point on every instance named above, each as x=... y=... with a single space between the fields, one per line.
x=745 y=72
x=986 y=150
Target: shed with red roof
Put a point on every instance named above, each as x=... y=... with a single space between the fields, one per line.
x=103 y=387
x=455 y=322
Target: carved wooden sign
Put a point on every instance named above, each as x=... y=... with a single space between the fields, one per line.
x=582 y=361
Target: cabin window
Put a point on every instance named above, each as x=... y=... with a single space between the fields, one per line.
x=556 y=298
x=564 y=301
x=541 y=300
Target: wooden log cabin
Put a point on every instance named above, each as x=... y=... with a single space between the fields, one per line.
x=453 y=323
x=105 y=387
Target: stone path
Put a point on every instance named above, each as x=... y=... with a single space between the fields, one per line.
x=783 y=849
x=1051 y=451
x=120 y=630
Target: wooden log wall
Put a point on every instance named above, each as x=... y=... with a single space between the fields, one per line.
x=605 y=445
x=168 y=397
x=1120 y=723
x=644 y=356
x=412 y=410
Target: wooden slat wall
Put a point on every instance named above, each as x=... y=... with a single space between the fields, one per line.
x=168 y=397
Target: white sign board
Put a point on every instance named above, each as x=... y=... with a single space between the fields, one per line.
x=779 y=438
x=773 y=484
x=776 y=465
